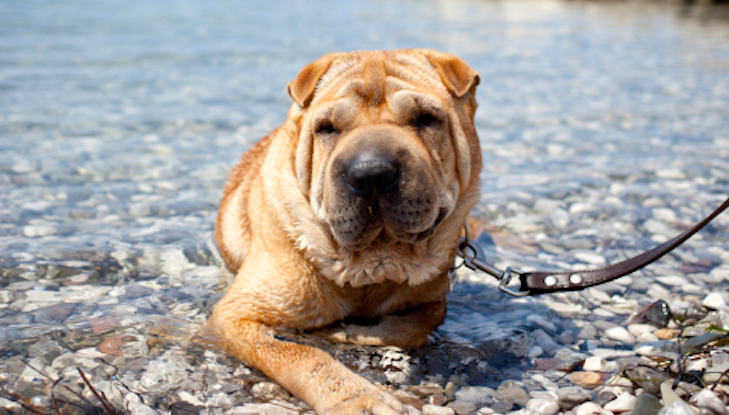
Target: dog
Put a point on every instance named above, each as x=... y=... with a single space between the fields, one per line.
x=352 y=209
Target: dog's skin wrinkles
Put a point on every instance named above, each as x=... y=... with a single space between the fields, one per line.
x=350 y=209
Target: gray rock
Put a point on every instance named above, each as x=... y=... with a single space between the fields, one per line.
x=604 y=397
x=647 y=404
x=476 y=395
x=570 y=397
x=648 y=379
x=462 y=408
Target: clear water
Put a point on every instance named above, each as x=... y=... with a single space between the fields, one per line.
x=119 y=121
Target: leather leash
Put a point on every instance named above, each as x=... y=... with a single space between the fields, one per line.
x=541 y=282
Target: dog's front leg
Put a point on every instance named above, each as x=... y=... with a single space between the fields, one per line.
x=408 y=329
x=308 y=373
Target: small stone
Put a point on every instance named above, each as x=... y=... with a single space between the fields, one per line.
x=647 y=404
x=546 y=364
x=544 y=340
x=593 y=364
x=715 y=372
x=423 y=391
x=673 y=281
x=112 y=344
x=408 y=398
x=7 y=296
x=12 y=406
x=502 y=407
x=648 y=350
x=512 y=394
x=604 y=397
x=534 y=352
x=640 y=328
x=542 y=407
x=102 y=324
x=588 y=380
x=569 y=366
x=599 y=295
x=646 y=378
x=620 y=334
x=134 y=404
x=591 y=258
x=570 y=397
x=46 y=348
x=714 y=301
x=666 y=333
x=588 y=408
x=623 y=403
x=429 y=409
x=541 y=321
x=269 y=391
x=450 y=390
x=588 y=332
x=677 y=408
x=56 y=312
x=707 y=401
x=477 y=395
x=668 y=395
x=647 y=338
x=438 y=399
x=462 y=408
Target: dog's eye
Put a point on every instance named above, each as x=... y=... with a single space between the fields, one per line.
x=426 y=120
x=326 y=129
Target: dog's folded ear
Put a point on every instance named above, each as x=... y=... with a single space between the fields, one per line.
x=456 y=75
x=302 y=88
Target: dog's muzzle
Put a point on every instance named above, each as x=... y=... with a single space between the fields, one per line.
x=379 y=182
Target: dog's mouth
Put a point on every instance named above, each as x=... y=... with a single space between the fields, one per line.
x=358 y=219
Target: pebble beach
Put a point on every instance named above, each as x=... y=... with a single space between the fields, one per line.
x=604 y=129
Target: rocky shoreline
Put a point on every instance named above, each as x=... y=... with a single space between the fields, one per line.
x=105 y=341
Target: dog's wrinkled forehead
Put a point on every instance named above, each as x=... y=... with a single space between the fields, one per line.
x=377 y=74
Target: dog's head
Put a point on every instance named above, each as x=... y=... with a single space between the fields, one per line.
x=386 y=142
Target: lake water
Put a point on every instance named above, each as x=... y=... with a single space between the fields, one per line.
x=604 y=127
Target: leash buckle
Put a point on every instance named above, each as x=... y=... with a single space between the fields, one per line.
x=506 y=276
x=471 y=253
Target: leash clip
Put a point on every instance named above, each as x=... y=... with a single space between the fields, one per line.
x=471 y=253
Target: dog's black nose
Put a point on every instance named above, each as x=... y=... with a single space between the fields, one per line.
x=371 y=171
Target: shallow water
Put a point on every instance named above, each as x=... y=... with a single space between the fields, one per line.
x=603 y=127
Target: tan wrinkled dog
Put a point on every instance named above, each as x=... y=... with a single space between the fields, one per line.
x=351 y=209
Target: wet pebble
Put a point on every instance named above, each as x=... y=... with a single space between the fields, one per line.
x=587 y=380
x=623 y=403
x=620 y=334
x=570 y=397
x=462 y=408
x=437 y=410
x=542 y=407
x=647 y=404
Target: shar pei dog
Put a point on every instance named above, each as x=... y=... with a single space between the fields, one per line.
x=350 y=210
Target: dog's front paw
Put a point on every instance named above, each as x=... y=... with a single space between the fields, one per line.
x=335 y=334
x=368 y=402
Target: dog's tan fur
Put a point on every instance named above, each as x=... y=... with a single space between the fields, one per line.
x=309 y=253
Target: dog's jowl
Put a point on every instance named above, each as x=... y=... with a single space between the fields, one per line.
x=351 y=208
